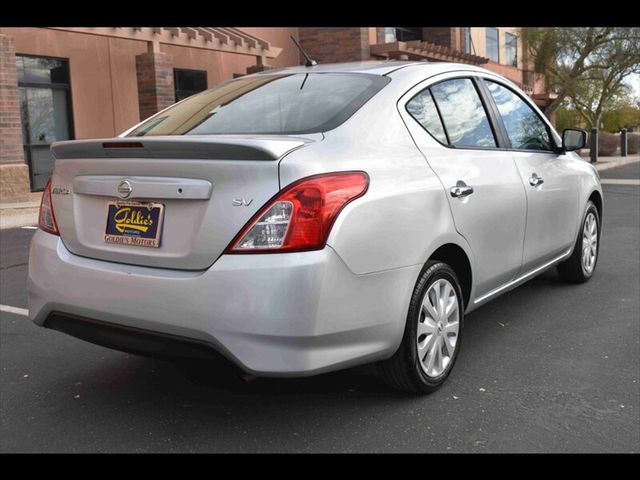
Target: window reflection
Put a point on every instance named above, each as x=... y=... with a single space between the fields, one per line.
x=423 y=109
x=525 y=129
x=463 y=115
x=269 y=104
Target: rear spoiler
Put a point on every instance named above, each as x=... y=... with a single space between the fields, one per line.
x=219 y=147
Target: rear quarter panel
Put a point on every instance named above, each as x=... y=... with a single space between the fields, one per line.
x=404 y=216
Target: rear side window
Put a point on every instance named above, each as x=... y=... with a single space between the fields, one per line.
x=525 y=128
x=269 y=104
x=463 y=114
x=423 y=109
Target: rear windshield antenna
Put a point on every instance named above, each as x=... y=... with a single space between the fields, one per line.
x=310 y=62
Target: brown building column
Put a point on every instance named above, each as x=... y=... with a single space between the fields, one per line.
x=154 y=71
x=445 y=36
x=335 y=44
x=14 y=173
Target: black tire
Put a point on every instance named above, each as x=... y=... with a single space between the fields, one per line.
x=403 y=371
x=572 y=269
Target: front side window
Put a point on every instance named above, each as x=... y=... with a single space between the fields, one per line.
x=464 y=117
x=511 y=49
x=269 y=104
x=525 y=128
x=493 y=45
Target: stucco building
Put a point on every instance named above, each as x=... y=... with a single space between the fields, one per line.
x=74 y=83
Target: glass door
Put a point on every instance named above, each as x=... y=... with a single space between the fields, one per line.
x=45 y=106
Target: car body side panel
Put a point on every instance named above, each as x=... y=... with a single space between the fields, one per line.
x=552 y=208
x=492 y=219
x=403 y=215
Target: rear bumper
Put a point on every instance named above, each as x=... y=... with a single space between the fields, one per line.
x=273 y=315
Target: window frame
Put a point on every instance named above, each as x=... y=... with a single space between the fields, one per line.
x=27 y=146
x=497 y=134
x=467 y=42
x=486 y=42
x=514 y=37
x=175 y=82
x=491 y=108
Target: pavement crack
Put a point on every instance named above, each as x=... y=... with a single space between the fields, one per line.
x=14 y=265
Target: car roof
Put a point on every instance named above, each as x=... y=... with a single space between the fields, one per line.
x=375 y=67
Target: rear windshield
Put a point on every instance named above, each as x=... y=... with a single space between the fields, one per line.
x=268 y=104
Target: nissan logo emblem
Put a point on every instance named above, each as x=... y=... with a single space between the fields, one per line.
x=124 y=189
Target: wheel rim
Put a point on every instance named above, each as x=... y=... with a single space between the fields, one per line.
x=438 y=326
x=589 y=242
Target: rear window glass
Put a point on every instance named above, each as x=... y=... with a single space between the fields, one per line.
x=268 y=104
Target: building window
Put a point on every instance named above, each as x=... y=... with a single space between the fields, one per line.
x=511 y=49
x=45 y=108
x=407 y=34
x=390 y=35
x=493 y=44
x=188 y=82
x=467 y=44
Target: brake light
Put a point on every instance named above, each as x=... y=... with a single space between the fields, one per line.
x=300 y=216
x=46 y=217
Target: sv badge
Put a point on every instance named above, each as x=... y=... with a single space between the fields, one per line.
x=240 y=202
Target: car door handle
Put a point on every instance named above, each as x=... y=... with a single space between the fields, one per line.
x=535 y=180
x=461 y=190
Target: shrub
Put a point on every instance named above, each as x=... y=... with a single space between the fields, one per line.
x=607 y=143
x=633 y=142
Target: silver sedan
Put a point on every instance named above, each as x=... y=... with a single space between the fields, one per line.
x=309 y=219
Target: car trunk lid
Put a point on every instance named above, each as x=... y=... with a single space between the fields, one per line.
x=205 y=187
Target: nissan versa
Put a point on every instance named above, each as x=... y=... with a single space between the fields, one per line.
x=310 y=219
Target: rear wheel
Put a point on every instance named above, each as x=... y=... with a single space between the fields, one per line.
x=579 y=267
x=432 y=333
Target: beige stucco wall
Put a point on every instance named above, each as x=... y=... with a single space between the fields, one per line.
x=103 y=77
x=104 y=88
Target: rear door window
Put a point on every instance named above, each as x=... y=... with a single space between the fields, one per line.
x=463 y=114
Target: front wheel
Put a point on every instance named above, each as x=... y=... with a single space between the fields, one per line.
x=432 y=333
x=579 y=267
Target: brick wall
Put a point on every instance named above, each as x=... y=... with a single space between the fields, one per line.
x=444 y=36
x=154 y=71
x=14 y=174
x=10 y=128
x=335 y=44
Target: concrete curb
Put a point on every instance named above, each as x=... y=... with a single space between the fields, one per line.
x=15 y=221
x=619 y=163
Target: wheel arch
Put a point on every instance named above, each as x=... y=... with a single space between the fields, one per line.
x=455 y=256
x=596 y=198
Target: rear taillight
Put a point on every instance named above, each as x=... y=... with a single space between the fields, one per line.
x=300 y=217
x=46 y=218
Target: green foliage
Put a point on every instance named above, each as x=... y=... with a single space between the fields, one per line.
x=588 y=65
x=625 y=116
x=567 y=117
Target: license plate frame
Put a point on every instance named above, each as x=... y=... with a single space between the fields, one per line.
x=134 y=223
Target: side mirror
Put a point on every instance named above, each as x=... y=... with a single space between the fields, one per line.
x=573 y=139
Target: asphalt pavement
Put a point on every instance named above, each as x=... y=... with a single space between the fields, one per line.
x=548 y=367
